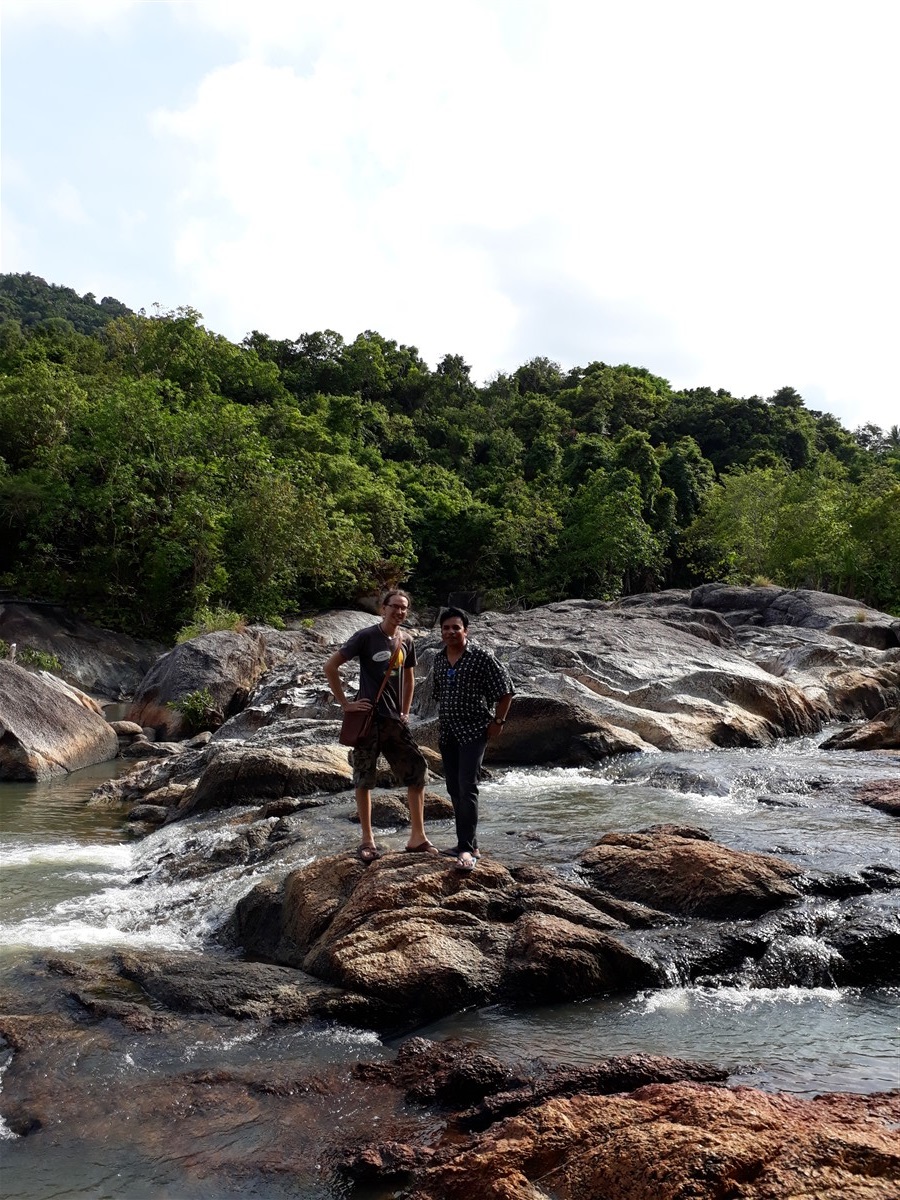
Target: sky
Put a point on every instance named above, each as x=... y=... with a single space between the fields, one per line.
x=706 y=189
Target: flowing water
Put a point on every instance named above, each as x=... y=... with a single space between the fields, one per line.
x=73 y=880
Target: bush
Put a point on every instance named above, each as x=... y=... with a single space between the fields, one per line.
x=197 y=709
x=211 y=620
x=26 y=656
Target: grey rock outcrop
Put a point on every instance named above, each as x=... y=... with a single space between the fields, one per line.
x=98 y=660
x=228 y=665
x=47 y=729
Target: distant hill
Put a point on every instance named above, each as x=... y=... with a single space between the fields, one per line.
x=30 y=300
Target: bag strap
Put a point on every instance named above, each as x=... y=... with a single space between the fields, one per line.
x=395 y=658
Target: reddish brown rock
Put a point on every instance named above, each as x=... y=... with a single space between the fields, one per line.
x=688 y=875
x=678 y=1141
x=428 y=940
x=881 y=733
x=883 y=794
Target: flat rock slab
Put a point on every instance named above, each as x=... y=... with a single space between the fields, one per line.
x=247 y=775
x=673 y=1141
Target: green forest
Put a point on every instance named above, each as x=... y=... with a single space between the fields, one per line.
x=151 y=469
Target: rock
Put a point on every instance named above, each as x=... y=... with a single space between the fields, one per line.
x=390 y=811
x=861 y=633
x=338 y=626
x=688 y=876
x=126 y=728
x=226 y=664
x=883 y=794
x=881 y=733
x=636 y=679
x=141 y=748
x=671 y=1141
x=247 y=776
x=458 y=1074
x=783 y=606
x=427 y=941
x=259 y=991
x=98 y=660
x=549 y=729
x=150 y=814
x=45 y=730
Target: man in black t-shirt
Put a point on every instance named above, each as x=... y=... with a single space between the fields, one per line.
x=376 y=647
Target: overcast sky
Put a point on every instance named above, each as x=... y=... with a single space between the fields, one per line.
x=706 y=189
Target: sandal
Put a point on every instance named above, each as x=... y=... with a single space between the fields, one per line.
x=466 y=861
x=368 y=852
x=425 y=847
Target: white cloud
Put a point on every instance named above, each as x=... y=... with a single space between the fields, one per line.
x=704 y=189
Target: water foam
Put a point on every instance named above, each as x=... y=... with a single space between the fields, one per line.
x=116 y=857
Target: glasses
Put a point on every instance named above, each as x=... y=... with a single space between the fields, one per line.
x=399 y=607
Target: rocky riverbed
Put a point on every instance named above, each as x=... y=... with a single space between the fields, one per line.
x=647 y=831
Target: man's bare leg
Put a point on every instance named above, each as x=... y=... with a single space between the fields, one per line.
x=416 y=799
x=364 y=812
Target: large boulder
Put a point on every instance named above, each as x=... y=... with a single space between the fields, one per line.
x=801 y=606
x=102 y=662
x=550 y=729
x=46 y=729
x=427 y=940
x=248 y=775
x=667 y=678
x=226 y=664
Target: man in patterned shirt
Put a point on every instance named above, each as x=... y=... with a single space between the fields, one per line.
x=474 y=692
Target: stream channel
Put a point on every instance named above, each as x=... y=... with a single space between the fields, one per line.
x=74 y=881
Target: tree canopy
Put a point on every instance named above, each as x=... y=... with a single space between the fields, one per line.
x=150 y=467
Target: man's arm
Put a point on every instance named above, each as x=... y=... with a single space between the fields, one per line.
x=500 y=713
x=333 y=675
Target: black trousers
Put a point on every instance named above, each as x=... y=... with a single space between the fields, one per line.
x=462 y=765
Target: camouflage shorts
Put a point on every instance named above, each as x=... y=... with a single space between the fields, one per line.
x=392 y=739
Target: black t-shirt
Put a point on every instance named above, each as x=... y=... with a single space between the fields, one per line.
x=374 y=648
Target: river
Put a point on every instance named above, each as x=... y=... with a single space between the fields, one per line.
x=73 y=880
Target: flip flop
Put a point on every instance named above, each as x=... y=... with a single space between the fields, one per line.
x=368 y=853
x=466 y=862
x=425 y=847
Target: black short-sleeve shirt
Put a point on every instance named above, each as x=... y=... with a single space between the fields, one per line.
x=467 y=691
x=374 y=648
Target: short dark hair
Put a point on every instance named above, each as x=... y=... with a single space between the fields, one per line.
x=449 y=613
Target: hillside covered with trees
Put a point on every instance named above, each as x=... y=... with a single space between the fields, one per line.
x=150 y=468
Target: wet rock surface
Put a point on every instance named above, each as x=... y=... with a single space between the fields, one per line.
x=669 y=1141
x=438 y=1120
x=881 y=733
x=682 y=873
